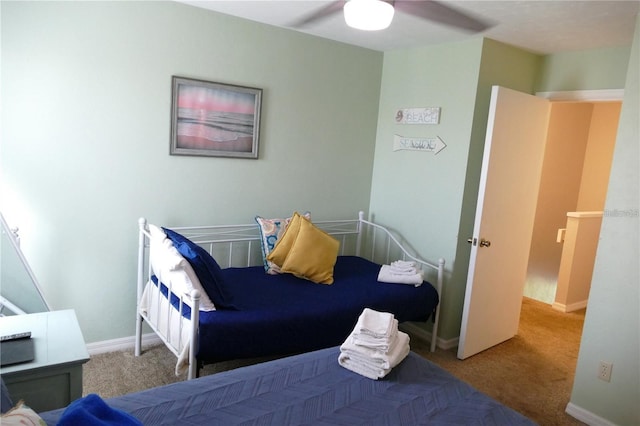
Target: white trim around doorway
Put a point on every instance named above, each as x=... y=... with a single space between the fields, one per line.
x=584 y=95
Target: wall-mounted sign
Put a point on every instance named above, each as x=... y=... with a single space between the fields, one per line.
x=418 y=115
x=434 y=145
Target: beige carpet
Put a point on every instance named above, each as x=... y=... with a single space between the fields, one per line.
x=531 y=373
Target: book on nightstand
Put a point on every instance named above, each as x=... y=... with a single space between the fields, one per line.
x=16 y=350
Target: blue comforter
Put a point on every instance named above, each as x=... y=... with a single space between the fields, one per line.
x=282 y=314
x=313 y=389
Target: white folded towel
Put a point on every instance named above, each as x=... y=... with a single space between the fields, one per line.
x=379 y=343
x=382 y=359
x=402 y=267
x=404 y=264
x=365 y=370
x=376 y=368
x=375 y=324
x=386 y=275
x=402 y=271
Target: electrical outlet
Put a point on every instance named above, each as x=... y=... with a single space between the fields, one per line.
x=604 y=371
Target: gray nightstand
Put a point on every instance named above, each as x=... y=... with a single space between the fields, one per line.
x=54 y=378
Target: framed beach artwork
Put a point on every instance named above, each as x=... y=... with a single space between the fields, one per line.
x=214 y=119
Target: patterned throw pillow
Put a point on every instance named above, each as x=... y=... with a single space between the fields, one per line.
x=21 y=415
x=271 y=231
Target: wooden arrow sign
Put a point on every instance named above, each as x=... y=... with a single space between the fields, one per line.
x=434 y=145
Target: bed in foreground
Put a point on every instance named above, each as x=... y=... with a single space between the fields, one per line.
x=314 y=389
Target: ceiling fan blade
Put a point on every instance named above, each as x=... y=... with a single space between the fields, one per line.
x=438 y=12
x=328 y=10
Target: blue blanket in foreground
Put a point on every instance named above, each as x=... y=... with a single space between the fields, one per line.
x=313 y=389
x=93 y=411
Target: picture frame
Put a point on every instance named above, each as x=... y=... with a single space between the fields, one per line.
x=214 y=119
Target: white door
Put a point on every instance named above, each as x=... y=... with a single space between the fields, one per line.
x=507 y=196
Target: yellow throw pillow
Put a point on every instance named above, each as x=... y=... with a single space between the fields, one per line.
x=312 y=255
x=284 y=243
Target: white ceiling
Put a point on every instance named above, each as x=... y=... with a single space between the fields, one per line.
x=540 y=26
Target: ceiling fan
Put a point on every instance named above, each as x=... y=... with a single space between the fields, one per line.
x=377 y=14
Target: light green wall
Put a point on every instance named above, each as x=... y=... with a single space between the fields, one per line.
x=414 y=190
x=593 y=69
x=612 y=324
x=419 y=193
x=437 y=216
x=86 y=89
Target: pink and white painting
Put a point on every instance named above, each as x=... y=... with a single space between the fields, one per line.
x=214 y=119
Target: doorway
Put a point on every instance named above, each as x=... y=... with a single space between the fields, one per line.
x=523 y=118
x=575 y=176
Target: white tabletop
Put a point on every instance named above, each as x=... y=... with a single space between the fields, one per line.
x=57 y=339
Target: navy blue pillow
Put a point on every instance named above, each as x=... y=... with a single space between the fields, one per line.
x=205 y=267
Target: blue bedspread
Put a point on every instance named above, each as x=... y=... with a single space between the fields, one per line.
x=282 y=314
x=313 y=389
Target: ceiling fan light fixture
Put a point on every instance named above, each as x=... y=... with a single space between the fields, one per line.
x=368 y=15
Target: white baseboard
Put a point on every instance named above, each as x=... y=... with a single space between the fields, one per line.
x=423 y=334
x=586 y=416
x=571 y=307
x=121 y=344
x=448 y=344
